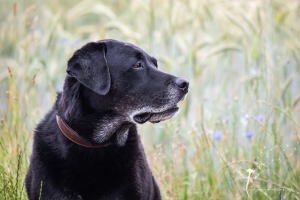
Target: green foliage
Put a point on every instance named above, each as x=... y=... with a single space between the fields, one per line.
x=242 y=59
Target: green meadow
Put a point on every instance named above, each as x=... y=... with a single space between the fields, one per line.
x=237 y=135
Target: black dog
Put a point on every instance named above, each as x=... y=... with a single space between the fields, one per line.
x=87 y=146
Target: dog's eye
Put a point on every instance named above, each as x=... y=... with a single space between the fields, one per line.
x=137 y=65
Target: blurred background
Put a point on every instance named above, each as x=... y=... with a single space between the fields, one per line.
x=237 y=135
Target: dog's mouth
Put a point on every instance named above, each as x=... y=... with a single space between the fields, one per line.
x=155 y=117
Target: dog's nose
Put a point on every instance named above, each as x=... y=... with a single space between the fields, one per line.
x=182 y=84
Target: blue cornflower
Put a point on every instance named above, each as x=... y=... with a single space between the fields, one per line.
x=77 y=42
x=218 y=136
x=249 y=134
x=260 y=118
x=62 y=42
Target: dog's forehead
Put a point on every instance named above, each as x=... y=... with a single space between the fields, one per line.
x=128 y=47
x=135 y=48
x=125 y=47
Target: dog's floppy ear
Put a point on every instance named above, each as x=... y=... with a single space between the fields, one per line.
x=89 y=66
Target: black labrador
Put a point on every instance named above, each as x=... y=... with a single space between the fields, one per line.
x=87 y=146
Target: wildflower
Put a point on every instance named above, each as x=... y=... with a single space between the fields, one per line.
x=249 y=135
x=2 y=106
x=253 y=70
x=62 y=42
x=250 y=171
x=77 y=42
x=43 y=53
x=218 y=136
x=260 y=118
x=244 y=120
x=209 y=132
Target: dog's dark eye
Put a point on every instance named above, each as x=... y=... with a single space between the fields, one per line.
x=137 y=65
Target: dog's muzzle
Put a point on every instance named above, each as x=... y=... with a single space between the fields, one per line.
x=155 y=117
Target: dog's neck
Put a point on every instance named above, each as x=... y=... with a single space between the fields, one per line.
x=96 y=128
x=112 y=128
x=108 y=132
x=73 y=136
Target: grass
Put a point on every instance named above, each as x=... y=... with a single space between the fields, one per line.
x=242 y=59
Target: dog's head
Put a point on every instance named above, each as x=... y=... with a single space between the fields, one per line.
x=125 y=81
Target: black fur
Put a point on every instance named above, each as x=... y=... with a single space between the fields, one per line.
x=111 y=86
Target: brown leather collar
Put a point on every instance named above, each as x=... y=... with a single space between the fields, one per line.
x=73 y=136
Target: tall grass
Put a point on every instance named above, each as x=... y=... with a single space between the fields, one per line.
x=238 y=133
